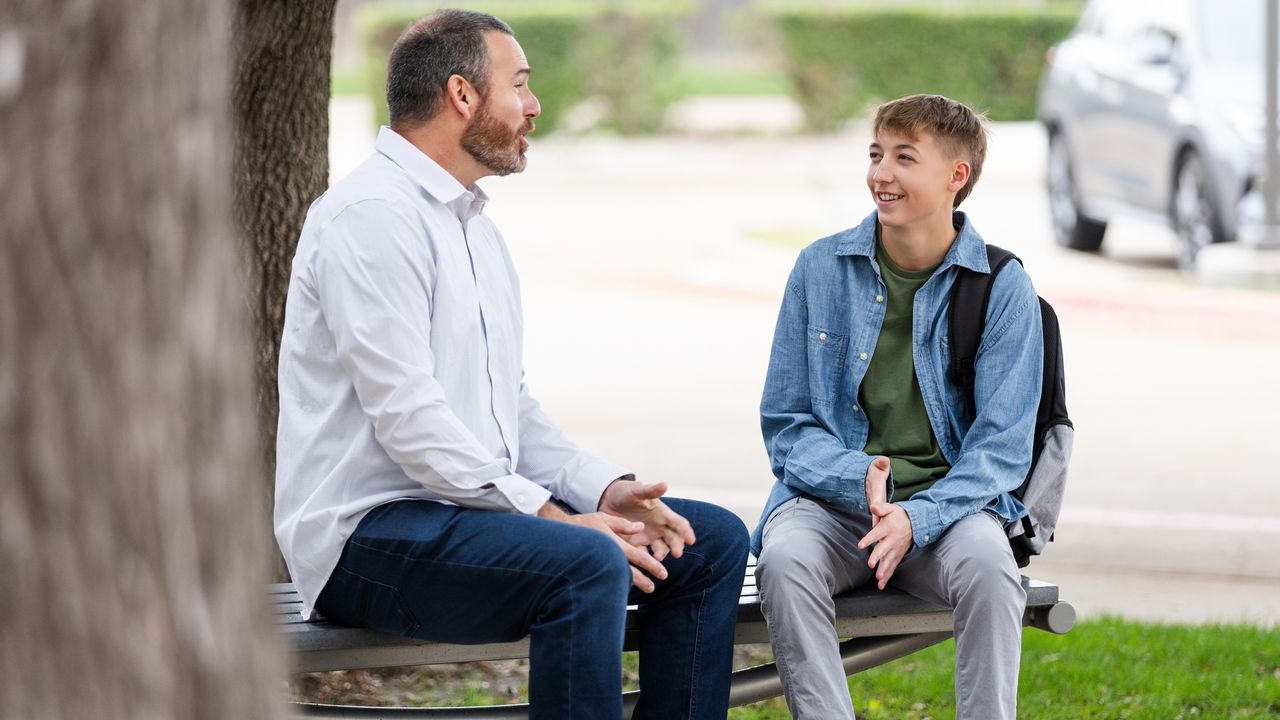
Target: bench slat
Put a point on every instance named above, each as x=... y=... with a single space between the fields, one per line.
x=321 y=645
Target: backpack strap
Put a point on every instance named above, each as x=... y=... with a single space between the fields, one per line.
x=969 y=297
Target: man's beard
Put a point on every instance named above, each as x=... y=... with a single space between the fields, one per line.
x=493 y=144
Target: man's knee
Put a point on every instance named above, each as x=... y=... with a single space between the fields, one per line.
x=594 y=562
x=722 y=538
x=604 y=556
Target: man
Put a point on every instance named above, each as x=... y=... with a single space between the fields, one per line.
x=418 y=481
x=884 y=473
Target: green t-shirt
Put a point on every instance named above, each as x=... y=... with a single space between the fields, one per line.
x=890 y=392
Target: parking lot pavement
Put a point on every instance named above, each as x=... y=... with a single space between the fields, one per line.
x=652 y=270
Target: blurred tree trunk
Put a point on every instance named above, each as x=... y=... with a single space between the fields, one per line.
x=129 y=463
x=283 y=52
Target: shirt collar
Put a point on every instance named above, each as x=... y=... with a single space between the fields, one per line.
x=968 y=250
x=465 y=202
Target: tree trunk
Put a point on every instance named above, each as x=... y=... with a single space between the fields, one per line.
x=281 y=107
x=129 y=464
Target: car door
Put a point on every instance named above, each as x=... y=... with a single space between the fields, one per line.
x=1104 y=168
x=1151 y=103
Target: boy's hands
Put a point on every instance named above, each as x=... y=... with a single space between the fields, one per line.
x=891 y=535
x=877 y=484
x=890 y=525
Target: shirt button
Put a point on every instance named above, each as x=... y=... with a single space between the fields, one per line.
x=822 y=337
x=856 y=408
x=879 y=298
x=862 y=356
x=520 y=498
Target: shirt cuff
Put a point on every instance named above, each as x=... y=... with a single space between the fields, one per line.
x=524 y=495
x=582 y=491
x=857 y=487
x=926 y=524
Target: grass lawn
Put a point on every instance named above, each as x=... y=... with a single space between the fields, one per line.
x=693 y=79
x=1103 y=669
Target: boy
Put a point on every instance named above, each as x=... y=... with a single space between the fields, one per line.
x=884 y=472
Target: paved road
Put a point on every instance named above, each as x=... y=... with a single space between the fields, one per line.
x=652 y=271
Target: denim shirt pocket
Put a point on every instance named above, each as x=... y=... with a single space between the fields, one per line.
x=826 y=363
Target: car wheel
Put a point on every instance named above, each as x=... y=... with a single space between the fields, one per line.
x=1071 y=228
x=1195 y=214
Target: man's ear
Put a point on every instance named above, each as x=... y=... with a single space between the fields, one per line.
x=462 y=96
x=960 y=173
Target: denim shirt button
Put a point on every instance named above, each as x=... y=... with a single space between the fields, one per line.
x=856 y=408
x=880 y=298
x=822 y=337
x=862 y=356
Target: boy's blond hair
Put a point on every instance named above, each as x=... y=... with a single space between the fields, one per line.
x=959 y=131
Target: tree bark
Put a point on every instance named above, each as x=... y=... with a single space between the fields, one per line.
x=281 y=106
x=129 y=462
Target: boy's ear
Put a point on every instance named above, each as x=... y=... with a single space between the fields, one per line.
x=960 y=172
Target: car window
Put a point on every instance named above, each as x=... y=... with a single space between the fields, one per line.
x=1144 y=31
x=1091 y=19
x=1232 y=32
x=1120 y=20
x=1129 y=18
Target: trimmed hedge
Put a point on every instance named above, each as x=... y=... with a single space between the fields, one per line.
x=625 y=56
x=841 y=61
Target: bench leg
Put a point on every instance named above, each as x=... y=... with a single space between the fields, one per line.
x=762 y=682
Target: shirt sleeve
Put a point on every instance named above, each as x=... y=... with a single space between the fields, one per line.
x=803 y=453
x=550 y=459
x=373 y=274
x=996 y=452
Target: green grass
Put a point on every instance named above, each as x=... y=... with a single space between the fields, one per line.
x=1102 y=669
x=695 y=80
x=1112 y=669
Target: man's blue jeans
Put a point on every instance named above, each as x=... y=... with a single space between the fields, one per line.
x=449 y=574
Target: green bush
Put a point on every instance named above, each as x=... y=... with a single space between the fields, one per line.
x=625 y=56
x=840 y=61
x=631 y=61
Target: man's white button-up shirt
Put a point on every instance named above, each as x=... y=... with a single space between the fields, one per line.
x=401 y=366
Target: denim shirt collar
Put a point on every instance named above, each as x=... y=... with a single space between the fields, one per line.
x=968 y=249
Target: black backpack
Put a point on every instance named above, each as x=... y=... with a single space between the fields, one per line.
x=1041 y=491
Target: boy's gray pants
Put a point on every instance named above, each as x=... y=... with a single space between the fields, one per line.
x=811 y=553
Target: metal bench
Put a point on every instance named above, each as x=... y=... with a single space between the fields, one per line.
x=882 y=626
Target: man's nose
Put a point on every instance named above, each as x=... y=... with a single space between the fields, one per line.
x=532 y=108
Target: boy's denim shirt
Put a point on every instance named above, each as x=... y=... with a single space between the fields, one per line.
x=814 y=429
